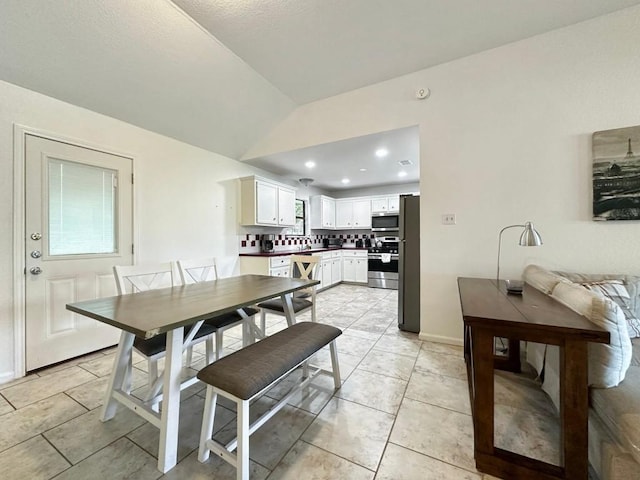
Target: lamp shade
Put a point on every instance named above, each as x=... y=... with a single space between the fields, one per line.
x=530 y=236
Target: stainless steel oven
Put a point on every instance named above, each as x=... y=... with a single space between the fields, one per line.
x=383 y=263
x=387 y=222
x=383 y=272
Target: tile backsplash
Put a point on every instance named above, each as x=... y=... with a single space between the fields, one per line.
x=250 y=243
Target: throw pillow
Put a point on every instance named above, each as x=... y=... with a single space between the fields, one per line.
x=608 y=363
x=616 y=291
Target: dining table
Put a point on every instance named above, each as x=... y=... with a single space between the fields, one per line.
x=167 y=311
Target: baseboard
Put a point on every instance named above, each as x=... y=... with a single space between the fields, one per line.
x=6 y=377
x=440 y=339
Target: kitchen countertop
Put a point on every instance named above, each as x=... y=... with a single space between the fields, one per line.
x=282 y=253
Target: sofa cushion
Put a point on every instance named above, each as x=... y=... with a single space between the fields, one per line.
x=542 y=279
x=619 y=409
x=616 y=291
x=607 y=363
x=631 y=282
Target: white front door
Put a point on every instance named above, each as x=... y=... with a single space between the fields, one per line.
x=79 y=224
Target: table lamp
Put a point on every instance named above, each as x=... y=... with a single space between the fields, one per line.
x=529 y=238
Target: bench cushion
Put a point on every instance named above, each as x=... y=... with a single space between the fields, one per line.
x=249 y=370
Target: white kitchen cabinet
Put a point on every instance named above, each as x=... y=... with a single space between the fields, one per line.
x=349 y=269
x=344 y=213
x=336 y=266
x=362 y=270
x=362 y=213
x=394 y=203
x=286 y=206
x=336 y=271
x=354 y=266
x=389 y=203
x=268 y=203
x=277 y=266
x=327 y=280
x=353 y=213
x=323 y=212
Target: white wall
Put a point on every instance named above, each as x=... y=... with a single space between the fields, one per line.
x=504 y=138
x=185 y=196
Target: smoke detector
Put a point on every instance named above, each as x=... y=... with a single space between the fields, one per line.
x=306 y=181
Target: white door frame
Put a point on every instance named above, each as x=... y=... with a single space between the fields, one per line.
x=19 y=261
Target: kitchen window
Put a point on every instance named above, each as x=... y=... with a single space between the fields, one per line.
x=301 y=219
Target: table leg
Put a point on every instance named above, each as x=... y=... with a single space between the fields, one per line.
x=483 y=414
x=167 y=456
x=119 y=372
x=288 y=308
x=574 y=408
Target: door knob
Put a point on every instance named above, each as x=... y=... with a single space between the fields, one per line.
x=36 y=236
x=35 y=270
x=36 y=254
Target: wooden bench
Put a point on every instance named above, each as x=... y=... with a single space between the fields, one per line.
x=248 y=373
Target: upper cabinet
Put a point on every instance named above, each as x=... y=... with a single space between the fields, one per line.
x=323 y=212
x=268 y=203
x=353 y=213
x=389 y=203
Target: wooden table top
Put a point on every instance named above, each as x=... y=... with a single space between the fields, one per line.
x=485 y=305
x=153 y=312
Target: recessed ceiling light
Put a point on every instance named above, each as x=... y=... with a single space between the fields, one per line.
x=363 y=169
x=402 y=173
x=345 y=180
x=310 y=164
x=382 y=152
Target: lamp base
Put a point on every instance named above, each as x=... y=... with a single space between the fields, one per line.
x=514 y=286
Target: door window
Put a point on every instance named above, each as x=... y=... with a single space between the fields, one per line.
x=82 y=209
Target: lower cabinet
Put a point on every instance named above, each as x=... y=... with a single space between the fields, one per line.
x=336 y=266
x=274 y=266
x=354 y=266
x=326 y=280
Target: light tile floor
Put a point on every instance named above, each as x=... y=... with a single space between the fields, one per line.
x=402 y=413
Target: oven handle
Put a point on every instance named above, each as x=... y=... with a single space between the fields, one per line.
x=377 y=256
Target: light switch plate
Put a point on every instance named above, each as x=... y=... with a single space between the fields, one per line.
x=449 y=219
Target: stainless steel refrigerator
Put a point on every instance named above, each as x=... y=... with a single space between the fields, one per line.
x=409 y=264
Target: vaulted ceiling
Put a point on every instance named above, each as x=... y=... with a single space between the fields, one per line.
x=220 y=74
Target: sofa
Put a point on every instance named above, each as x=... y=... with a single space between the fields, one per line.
x=613 y=302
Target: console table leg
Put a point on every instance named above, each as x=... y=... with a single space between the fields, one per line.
x=482 y=351
x=574 y=404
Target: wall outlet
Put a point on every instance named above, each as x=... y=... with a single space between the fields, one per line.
x=449 y=219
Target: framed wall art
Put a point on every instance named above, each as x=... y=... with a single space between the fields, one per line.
x=616 y=174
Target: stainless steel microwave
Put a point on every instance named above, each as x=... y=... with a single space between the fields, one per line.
x=385 y=222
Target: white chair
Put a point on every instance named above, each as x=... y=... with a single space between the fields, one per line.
x=140 y=278
x=304 y=267
x=226 y=266
x=206 y=269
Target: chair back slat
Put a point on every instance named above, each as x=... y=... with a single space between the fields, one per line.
x=195 y=271
x=140 y=278
x=303 y=266
x=226 y=266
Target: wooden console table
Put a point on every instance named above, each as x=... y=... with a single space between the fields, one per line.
x=489 y=312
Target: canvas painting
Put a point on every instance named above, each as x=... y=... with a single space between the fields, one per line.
x=616 y=174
